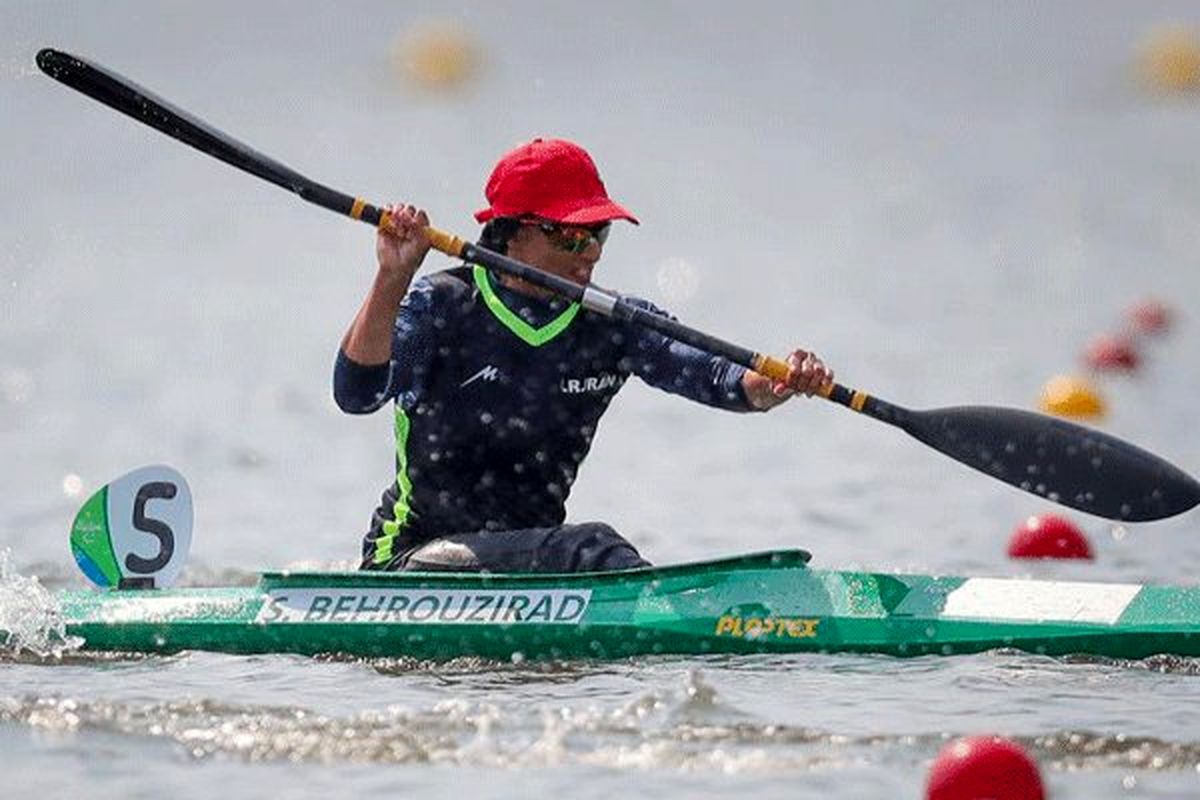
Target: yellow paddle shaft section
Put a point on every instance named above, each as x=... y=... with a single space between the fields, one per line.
x=444 y=242
x=778 y=370
x=771 y=368
x=441 y=241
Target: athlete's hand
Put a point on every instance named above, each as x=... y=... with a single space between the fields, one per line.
x=401 y=243
x=806 y=375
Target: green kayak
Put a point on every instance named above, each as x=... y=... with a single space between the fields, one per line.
x=761 y=603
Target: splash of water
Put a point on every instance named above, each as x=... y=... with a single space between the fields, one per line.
x=30 y=619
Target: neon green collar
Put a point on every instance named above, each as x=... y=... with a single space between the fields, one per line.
x=534 y=337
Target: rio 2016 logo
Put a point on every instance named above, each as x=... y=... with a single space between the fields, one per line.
x=136 y=531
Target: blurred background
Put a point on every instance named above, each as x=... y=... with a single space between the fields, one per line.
x=947 y=201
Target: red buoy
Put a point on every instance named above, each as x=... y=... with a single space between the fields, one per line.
x=1049 y=536
x=979 y=767
x=1150 y=316
x=1111 y=353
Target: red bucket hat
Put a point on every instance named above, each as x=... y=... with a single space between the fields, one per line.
x=553 y=179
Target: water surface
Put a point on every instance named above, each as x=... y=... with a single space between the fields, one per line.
x=946 y=201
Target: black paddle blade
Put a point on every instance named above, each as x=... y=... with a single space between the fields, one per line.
x=1060 y=461
x=121 y=94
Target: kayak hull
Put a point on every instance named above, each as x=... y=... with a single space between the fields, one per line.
x=762 y=603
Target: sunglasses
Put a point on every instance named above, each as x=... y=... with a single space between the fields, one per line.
x=573 y=239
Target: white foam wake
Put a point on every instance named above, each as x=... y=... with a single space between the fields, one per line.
x=30 y=619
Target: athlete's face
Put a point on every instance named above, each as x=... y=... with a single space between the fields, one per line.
x=547 y=251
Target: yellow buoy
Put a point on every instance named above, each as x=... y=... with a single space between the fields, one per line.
x=1069 y=396
x=436 y=54
x=1169 y=58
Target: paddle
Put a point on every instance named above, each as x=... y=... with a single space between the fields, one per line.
x=1063 y=462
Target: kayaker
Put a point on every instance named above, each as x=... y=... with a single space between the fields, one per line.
x=498 y=387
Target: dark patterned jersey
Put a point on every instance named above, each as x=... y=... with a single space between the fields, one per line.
x=497 y=398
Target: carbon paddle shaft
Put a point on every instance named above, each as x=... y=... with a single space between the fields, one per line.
x=1057 y=460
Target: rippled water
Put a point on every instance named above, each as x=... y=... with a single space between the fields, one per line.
x=717 y=725
x=945 y=200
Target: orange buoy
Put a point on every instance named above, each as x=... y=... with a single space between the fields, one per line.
x=1069 y=396
x=1108 y=353
x=1049 y=536
x=978 y=767
x=436 y=55
x=1169 y=58
x=1150 y=316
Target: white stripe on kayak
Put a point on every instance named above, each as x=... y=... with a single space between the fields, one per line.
x=1057 y=601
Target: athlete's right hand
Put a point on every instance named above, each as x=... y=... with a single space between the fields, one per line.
x=401 y=243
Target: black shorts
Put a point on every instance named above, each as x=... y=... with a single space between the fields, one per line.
x=586 y=547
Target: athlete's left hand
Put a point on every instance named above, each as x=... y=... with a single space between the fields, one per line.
x=806 y=375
